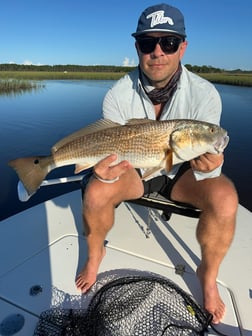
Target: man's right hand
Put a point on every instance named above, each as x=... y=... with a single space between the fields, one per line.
x=106 y=170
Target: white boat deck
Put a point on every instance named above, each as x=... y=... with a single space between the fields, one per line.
x=43 y=248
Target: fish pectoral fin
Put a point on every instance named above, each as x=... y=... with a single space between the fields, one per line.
x=166 y=163
x=168 y=160
x=79 y=167
x=149 y=172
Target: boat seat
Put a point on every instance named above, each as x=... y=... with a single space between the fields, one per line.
x=156 y=201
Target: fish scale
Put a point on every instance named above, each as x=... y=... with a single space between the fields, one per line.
x=134 y=144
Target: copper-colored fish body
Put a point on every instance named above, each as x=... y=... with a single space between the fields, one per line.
x=144 y=143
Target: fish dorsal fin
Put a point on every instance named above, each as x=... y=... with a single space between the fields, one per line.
x=138 y=121
x=92 y=128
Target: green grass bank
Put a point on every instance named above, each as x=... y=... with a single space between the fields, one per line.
x=47 y=75
x=14 y=82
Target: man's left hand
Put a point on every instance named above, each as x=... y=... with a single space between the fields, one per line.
x=207 y=162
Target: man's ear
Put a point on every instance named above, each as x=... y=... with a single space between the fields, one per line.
x=183 y=49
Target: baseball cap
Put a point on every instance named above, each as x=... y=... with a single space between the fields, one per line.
x=161 y=18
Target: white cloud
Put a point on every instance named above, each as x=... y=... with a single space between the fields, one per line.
x=128 y=62
x=27 y=62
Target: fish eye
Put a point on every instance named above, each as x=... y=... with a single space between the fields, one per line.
x=212 y=130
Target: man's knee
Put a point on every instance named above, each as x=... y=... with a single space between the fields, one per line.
x=223 y=196
x=99 y=195
x=94 y=196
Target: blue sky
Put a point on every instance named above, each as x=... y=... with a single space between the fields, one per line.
x=99 y=32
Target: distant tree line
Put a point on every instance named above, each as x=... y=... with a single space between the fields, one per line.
x=104 y=68
x=202 y=69
x=63 y=68
x=210 y=69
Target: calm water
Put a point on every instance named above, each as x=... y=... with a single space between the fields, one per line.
x=31 y=123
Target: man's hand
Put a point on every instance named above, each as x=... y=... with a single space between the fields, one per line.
x=107 y=171
x=207 y=162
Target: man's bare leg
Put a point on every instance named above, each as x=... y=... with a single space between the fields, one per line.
x=98 y=214
x=218 y=201
x=95 y=235
x=214 y=244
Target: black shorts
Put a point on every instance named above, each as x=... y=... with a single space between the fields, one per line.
x=163 y=184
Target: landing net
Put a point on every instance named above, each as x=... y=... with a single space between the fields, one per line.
x=130 y=306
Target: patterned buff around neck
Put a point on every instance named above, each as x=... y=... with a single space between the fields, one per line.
x=163 y=95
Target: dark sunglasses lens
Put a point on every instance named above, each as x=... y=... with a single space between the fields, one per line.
x=168 y=44
x=147 y=44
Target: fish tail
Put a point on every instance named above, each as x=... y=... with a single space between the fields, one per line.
x=31 y=171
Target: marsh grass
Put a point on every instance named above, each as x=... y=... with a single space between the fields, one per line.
x=18 y=86
x=229 y=78
x=47 y=75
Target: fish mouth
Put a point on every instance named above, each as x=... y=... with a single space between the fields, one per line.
x=221 y=144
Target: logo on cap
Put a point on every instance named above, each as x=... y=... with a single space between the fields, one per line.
x=159 y=18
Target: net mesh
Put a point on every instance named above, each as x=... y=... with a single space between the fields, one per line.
x=132 y=305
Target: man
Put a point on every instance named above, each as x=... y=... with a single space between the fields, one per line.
x=161 y=88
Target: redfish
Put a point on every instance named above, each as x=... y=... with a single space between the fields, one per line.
x=147 y=144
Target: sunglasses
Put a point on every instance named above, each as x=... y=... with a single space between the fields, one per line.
x=169 y=44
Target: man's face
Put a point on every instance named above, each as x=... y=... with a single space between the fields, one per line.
x=158 y=65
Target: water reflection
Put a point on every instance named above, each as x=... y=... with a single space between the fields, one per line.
x=237 y=119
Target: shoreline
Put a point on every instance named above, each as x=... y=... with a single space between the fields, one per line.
x=20 y=81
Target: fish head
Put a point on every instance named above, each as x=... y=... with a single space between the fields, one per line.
x=194 y=138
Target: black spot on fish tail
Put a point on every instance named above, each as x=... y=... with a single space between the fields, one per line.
x=31 y=171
